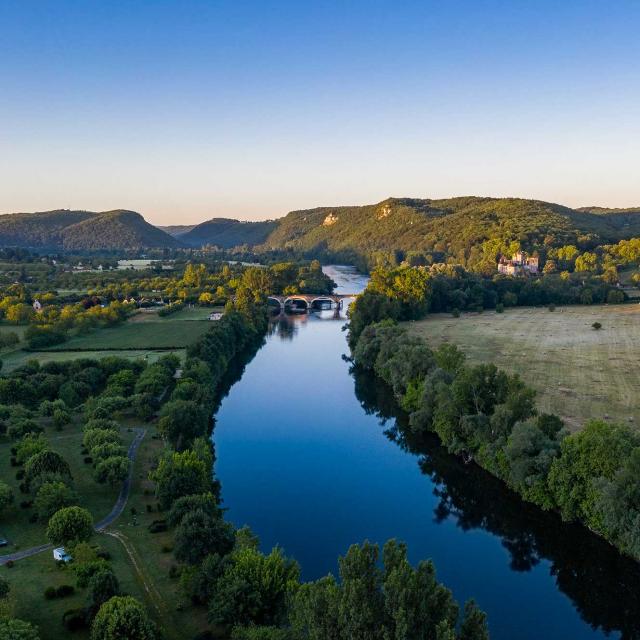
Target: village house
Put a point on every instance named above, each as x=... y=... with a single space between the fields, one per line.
x=520 y=264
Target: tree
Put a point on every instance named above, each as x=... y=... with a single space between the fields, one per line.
x=530 y=452
x=361 y=606
x=618 y=505
x=103 y=585
x=69 y=525
x=61 y=417
x=253 y=589
x=30 y=445
x=122 y=618
x=107 y=450
x=181 y=421
x=598 y=451
x=180 y=474
x=45 y=462
x=314 y=610
x=51 y=497
x=94 y=437
x=15 y=629
x=112 y=470
x=474 y=623
x=206 y=502
x=6 y=496
x=199 y=534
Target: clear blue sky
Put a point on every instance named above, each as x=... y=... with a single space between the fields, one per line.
x=186 y=110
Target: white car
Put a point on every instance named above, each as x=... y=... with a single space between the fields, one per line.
x=60 y=554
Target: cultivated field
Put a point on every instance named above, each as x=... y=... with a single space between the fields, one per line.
x=579 y=373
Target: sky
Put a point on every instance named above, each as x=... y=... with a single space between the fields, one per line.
x=193 y=109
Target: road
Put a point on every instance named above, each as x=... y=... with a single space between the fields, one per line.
x=118 y=507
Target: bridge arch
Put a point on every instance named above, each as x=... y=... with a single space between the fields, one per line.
x=317 y=303
x=295 y=303
x=274 y=301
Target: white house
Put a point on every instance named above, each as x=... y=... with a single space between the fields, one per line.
x=37 y=306
x=60 y=555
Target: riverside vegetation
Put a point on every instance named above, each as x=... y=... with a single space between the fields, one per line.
x=217 y=569
x=485 y=415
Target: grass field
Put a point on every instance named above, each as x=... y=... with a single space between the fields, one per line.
x=138 y=335
x=141 y=560
x=145 y=331
x=578 y=372
x=98 y=498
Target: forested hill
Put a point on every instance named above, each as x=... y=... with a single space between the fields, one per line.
x=470 y=230
x=227 y=233
x=81 y=231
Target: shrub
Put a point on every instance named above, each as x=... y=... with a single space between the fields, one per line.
x=74 y=619
x=596 y=326
x=50 y=593
x=552 y=307
x=456 y=313
x=65 y=590
x=29 y=446
x=158 y=526
x=499 y=308
x=21 y=427
x=61 y=417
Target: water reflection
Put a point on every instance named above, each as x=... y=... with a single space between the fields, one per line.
x=602 y=585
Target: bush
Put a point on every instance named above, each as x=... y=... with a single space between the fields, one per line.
x=456 y=313
x=74 y=619
x=158 y=526
x=50 y=593
x=65 y=590
x=61 y=417
x=597 y=326
x=552 y=307
x=499 y=308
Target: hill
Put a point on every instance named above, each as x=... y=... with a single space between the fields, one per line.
x=177 y=230
x=226 y=233
x=81 y=231
x=467 y=229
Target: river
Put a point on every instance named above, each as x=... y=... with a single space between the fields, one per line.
x=313 y=459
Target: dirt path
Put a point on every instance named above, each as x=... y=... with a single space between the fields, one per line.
x=154 y=598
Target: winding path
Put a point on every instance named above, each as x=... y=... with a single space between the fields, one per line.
x=118 y=507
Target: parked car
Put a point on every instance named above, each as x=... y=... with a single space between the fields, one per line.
x=59 y=554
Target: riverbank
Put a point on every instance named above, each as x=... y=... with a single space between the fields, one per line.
x=304 y=460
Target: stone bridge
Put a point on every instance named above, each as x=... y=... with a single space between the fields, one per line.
x=304 y=302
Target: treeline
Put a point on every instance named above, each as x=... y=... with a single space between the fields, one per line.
x=486 y=415
x=409 y=293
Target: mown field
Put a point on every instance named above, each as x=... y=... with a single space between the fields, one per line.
x=578 y=372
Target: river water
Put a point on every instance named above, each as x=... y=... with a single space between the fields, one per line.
x=313 y=459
